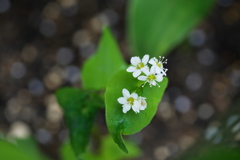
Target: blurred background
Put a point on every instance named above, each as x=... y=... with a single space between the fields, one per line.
x=43 y=44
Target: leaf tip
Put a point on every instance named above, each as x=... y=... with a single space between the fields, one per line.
x=122 y=146
x=125 y=150
x=117 y=137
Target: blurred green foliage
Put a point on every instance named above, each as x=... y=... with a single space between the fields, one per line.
x=220 y=140
x=29 y=146
x=22 y=149
x=108 y=151
x=79 y=108
x=27 y=149
x=156 y=26
x=212 y=152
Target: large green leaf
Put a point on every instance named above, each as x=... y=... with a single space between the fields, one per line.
x=155 y=26
x=119 y=123
x=79 y=108
x=102 y=65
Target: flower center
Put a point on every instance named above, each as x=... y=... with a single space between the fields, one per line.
x=130 y=100
x=159 y=64
x=143 y=103
x=151 y=77
x=140 y=65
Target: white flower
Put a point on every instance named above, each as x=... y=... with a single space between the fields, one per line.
x=133 y=101
x=151 y=77
x=158 y=65
x=129 y=100
x=138 y=65
x=142 y=102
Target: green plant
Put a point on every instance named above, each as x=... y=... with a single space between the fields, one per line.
x=154 y=27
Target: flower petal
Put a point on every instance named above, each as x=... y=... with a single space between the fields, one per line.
x=122 y=100
x=152 y=61
x=146 y=71
x=135 y=60
x=153 y=83
x=159 y=78
x=158 y=70
x=131 y=69
x=143 y=98
x=136 y=73
x=126 y=107
x=143 y=107
x=153 y=70
x=142 y=78
x=125 y=93
x=145 y=59
x=136 y=107
x=134 y=95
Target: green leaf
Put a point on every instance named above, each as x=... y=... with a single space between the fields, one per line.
x=119 y=123
x=66 y=152
x=26 y=149
x=101 y=66
x=29 y=146
x=9 y=151
x=156 y=26
x=79 y=108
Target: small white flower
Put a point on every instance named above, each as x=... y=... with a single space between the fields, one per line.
x=129 y=100
x=138 y=65
x=142 y=102
x=151 y=77
x=158 y=65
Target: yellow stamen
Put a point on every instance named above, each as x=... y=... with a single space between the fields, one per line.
x=140 y=65
x=143 y=103
x=159 y=64
x=130 y=100
x=151 y=77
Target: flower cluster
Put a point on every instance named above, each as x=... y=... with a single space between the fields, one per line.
x=142 y=72
x=133 y=101
x=151 y=75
